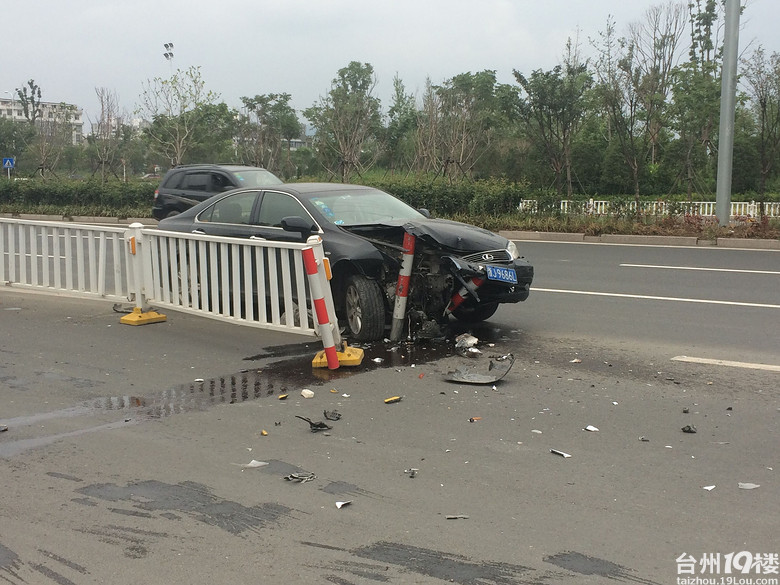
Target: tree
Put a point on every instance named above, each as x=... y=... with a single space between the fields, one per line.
x=347 y=122
x=30 y=101
x=174 y=108
x=553 y=110
x=762 y=76
x=105 y=138
x=696 y=91
x=265 y=132
x=468 y=112
x=399 y=134
x=655 y=42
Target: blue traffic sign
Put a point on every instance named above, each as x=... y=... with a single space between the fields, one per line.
x=8 y=163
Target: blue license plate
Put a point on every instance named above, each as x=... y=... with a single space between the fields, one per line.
x=502 y=274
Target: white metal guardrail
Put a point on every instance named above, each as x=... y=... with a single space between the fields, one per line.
x=739 y=209
x=64 y=258
x=250 y=282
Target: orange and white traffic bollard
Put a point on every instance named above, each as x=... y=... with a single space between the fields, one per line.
x=402 y=288
x=320 y=308
x=460 y=296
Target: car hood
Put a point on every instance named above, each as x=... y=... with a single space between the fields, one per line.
x=450 y=235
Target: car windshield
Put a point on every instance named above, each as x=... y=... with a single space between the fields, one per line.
x=256 y=178
x=368 y=206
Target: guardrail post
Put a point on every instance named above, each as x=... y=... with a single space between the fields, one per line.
x=402 y=288
x=136 y=248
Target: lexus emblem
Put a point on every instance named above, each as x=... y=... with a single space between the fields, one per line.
x=487 y=257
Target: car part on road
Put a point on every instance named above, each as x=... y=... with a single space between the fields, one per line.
x=301 y=477
x=561 y=453
x=496 y=369
x=315 y=427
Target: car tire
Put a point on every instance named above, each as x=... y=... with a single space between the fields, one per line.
x=475 y=312
x=364 y=309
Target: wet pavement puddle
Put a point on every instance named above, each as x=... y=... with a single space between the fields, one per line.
x=291 y=371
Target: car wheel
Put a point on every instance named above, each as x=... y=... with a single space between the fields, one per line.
x=475 y=312
x=364 y=309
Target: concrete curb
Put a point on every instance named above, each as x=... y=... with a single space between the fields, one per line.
x=742 y=243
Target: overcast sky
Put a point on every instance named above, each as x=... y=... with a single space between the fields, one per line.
x=246 y=48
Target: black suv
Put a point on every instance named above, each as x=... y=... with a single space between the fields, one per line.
x=187 y=185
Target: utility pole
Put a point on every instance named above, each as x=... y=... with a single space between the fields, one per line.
x=728 y=98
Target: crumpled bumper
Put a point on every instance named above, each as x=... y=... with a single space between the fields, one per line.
x=491 y=290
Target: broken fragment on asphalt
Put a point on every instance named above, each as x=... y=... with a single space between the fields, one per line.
x=481 y=374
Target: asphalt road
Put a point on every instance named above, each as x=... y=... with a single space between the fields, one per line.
x=124 y=456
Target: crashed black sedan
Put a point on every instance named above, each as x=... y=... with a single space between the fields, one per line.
x=457 y=269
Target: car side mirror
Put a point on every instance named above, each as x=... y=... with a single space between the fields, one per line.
x=425 y=212
x=295 y=223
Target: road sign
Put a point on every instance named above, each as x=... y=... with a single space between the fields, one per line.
x=8 y=163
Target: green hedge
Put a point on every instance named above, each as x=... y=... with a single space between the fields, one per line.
x=485 y=198
x=36 y=193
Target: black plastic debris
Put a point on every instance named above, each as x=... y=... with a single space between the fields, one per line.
x=301 y=477
x=479 y=374
x=331 y=414
x=689 y=429
x=315 y=426
x=3 y=428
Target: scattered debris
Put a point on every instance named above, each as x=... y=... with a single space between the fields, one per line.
x=282 y=396
x=315 y=427
x=412 y=471
x=561 y=453
x=591 y=428
x=496 y=369
x=378 y=360
x=306 y=393
x=198 y=380
x=251 y=464
x=689 y=429
x=686 y=410
x=393 y=399
x=465 y=340
x=644 y=439
x=340 y=505
x=263 y=433
x=3 y=428
x=331 y=414
x=709 y=488
x=457 y=517
x=575 y=361
x=345 y=395
x=748 y=486
x=333 y=391
x=471 y=352
x=301 y=477
x=475 y=418
x=537 y=431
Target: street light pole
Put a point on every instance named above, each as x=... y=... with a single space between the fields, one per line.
x=728 y=98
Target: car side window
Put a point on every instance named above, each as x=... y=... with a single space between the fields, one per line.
x=197 y=182
x=276 y=206
x=236 y=209
x=219 y=182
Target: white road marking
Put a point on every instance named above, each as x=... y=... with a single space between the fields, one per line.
x=700 y=268
x=655 y=298
x=707 y=361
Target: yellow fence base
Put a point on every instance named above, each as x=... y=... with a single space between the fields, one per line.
x=138 y=317
x=348 y=356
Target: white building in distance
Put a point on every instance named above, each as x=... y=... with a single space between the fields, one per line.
x=11 y=109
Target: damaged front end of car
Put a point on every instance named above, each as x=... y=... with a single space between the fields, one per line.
x=457 y=270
